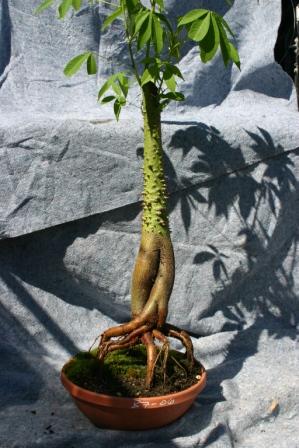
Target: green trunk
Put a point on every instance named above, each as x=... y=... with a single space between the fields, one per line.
x=153 y=275
x=155 y=218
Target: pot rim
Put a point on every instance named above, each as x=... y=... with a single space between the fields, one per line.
x=86 y=395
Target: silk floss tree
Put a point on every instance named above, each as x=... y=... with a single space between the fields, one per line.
x=154 y=43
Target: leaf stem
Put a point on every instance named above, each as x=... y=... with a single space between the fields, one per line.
x=129 y=40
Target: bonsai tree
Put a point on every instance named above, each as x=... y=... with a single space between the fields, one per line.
x=154 y=45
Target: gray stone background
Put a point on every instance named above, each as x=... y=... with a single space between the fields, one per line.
x=70 y=191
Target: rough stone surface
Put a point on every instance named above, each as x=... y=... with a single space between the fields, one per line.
x=70 y=190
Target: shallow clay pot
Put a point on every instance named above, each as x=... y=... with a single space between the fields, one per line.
x=107 y=411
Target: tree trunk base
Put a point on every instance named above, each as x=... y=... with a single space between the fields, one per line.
x=134 y=332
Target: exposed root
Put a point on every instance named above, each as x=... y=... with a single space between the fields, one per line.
x=185 y=339
x=123 y=342
x=128 y=335
x=151 y=350
x=165 y=349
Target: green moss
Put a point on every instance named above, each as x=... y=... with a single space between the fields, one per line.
x=124 y=373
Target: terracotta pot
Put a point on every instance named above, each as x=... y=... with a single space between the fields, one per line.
x=107 y=411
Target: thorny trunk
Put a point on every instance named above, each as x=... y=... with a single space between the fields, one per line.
x=153 y=275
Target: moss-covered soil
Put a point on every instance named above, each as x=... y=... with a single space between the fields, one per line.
x=124 y=371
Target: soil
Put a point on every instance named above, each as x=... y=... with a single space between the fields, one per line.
x=123 y=373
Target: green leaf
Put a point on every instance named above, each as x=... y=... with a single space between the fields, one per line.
x=164 y=103
x=158 y=34
x=133 y=6
x=116 y=88
x=164 y=19
x=209 y=45
x=200 y=28
x=191 y=16
x=106 y=86
x=174 y=70
x=123 y=83
x=174 y=46
x=171 y=83
x=160 y=3
x=122 y=100
x=224 y=42
x=234 y=55
x=44 y=5
x=150 y=74
x=145 y=32
x=169 y=79
x=107 y=99
x=175 y=96
x=64 y=8
x=91 y=65
x=110 y=82
x=146 y=77
x=117 y=109
x=76 y=4
x=140 y=18
x=226 y=25
x=111 y=18
x=75 y=64
x=229 y=52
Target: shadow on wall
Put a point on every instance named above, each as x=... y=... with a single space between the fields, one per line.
x=38 y=260
x=266 y=80
x=21 y=383
x=5 y=36
x=263 y=286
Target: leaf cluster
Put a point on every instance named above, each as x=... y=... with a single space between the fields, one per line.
x=156 y=41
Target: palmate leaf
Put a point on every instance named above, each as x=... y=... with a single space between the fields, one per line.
x=119 y=83
x=44 y=5
x=210 y=29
